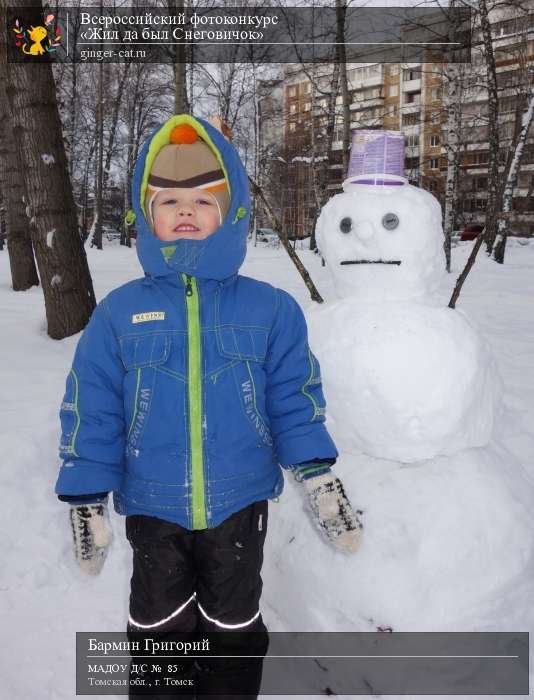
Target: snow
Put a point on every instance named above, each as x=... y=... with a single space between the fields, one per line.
x=50 y=237
x=48 y=159
x=405 y=381
x=447 y=542
x=56 y=280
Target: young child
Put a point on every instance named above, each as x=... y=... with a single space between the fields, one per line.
x=189 y=389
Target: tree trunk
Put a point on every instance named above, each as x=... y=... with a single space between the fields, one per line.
x=176 y=7
x=341 y=11
x=19 y=245
x=511 y=179
x=122 y=80
x=493 y=126
x=452 y=148
x=65 y=278
x=99 y=201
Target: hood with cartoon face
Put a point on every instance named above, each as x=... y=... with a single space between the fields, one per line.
x=216 y=257
x=383 y=243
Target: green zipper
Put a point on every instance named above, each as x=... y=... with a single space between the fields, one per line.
x=194 y=375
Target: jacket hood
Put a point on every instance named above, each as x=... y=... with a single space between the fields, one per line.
x=216 y=257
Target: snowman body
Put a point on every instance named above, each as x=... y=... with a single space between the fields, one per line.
x=405 y=378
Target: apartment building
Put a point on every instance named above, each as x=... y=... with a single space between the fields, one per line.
x=513 y=44
x=405 y=97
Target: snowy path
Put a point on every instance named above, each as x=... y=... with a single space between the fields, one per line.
x=45 y=600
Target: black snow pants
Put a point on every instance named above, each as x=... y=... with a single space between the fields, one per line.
x=192 y=585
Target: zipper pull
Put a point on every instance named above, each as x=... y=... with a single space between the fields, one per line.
x=188 y=287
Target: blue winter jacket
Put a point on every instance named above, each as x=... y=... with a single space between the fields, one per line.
x=191 y=386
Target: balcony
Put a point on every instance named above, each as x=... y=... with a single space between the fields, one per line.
x=411 y=151
x=372 y=81
x=412 y=85
x=367 y=104
x=411 y=107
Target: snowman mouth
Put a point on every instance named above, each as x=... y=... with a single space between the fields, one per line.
x=370 y=262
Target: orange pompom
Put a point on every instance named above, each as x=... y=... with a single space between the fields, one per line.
x=183 y=133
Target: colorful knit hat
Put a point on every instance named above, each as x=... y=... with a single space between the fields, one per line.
x=187 y=162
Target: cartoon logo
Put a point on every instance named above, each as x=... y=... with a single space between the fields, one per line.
x=36 y=41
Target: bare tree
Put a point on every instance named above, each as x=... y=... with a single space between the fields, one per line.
x=516 y=153
x=63 y=270
x=490 y=228
x=17 y=225
x=181 y=103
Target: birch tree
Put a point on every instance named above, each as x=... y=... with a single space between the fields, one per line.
x=452 y=149
x=511 y=180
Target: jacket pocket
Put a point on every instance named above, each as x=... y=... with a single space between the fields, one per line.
x=141 y=356
x=145 y=350
x=248 y=346
x=243 y=342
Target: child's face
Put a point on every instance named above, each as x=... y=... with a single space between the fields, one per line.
x=185 y=213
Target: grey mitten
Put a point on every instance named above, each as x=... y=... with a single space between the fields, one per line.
x=92 y=535
x=333 y=512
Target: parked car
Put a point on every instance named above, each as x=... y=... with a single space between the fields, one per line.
x=266 y=235
x=471 y=232
x=110 y=233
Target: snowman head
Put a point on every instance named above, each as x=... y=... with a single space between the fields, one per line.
x=382 y=242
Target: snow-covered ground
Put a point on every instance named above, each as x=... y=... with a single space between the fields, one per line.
x=396 y=578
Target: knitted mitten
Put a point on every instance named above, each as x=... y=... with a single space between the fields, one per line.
x=333 y=512
x=92 y=536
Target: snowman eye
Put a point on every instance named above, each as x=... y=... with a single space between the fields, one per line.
x=345 y=224
x=390 y=221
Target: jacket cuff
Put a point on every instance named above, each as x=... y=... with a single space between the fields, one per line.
x=84 y=499
x=305 y=448
x=88 y=477
x=307 y=470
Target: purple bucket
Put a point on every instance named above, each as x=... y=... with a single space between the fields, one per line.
x=376 y=158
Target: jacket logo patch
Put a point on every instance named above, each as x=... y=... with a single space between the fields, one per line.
x=148 y=316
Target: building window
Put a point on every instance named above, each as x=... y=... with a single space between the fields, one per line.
x=481 y=183
x=306 y=88
x=436 y=93
x=292 y=90
x=482 y=158
x=394 y=69
x=292 y=126
x=307 y=106
x=411 y=119
x=434 y=163
x=434 y=140
x=393 y=90
x=412 y=140
x=292 y=109
x=411 y=74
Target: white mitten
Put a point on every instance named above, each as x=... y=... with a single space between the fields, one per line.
x=92 y=536
x=333 y=512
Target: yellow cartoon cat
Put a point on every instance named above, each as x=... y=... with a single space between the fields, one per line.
x=37 y=35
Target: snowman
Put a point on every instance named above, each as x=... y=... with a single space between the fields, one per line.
x=411 y=395
x=406 y=377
